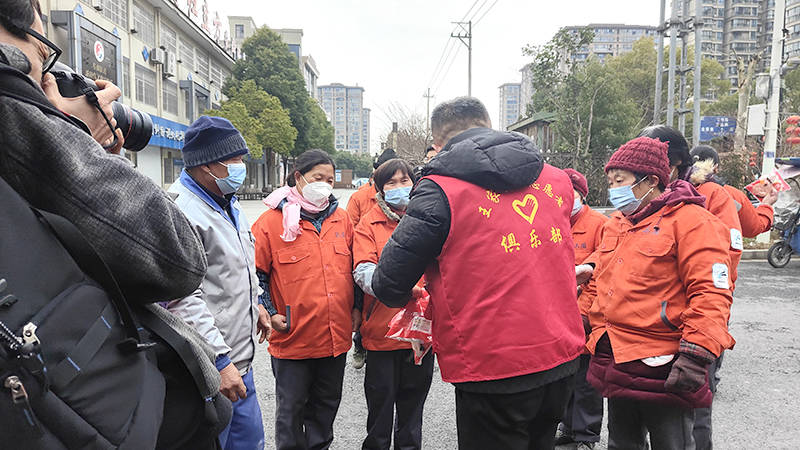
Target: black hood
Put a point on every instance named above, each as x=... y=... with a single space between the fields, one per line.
x=496 y=160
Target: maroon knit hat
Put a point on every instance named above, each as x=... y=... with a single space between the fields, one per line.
x=578 y=181
x=643 y=155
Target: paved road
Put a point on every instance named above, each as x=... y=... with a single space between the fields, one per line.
x=756 y=405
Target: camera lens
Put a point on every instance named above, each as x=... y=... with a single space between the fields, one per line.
x=136 y=126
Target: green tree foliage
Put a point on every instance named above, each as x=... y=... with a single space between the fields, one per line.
x=361 y=165
x=791 y=99
x=320 y=132
x=261 y=119
x=600 y=105
x=273 y=68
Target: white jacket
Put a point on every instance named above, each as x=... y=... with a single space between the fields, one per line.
x=224 y=308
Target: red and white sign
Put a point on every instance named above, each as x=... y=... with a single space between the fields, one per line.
x=99 y=51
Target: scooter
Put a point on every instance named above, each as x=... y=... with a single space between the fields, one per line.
x=780 y=253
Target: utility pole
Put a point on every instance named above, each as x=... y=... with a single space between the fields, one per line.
x=660 y=63
x=683 y=69
x=465 y=36
x=773 y=104
x=698 y=62
x=673 y=44
x=428 y=97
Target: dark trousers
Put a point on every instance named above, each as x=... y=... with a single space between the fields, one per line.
x=630 y=421
x=357 y=345
x=702 y=416
x=393 y=382
x=521 y=421
x=307 y=396
x=583 y=418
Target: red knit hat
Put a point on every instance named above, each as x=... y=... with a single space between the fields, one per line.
x=643 y=155
x=578 y=181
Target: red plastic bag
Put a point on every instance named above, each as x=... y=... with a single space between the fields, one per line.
x=413 y=324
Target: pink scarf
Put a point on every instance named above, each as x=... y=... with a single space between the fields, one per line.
x=291 y=210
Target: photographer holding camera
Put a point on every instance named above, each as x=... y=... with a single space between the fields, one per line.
x=50 y=158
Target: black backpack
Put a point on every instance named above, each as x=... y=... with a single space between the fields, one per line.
x=80 y=368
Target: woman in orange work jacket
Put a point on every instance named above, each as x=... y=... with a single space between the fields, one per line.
x=583 y=417
x=659 y=301
x=304 y=265
x=392 y=380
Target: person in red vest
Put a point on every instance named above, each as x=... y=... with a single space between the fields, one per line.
x=489 y=226
x=658 y=302
x=392 y=380
x=583 y=417
x=361 y=202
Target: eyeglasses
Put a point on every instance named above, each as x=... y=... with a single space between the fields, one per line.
x=55 y=52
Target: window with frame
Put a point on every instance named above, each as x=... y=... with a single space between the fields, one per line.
x=116 y=11
x=169 y=96
x=186 y=55
x=239 y=31
x=169 y=39
x=145 y=85
x=202 y=64
x=126 y=77
x=144 y=24
x=215 y=73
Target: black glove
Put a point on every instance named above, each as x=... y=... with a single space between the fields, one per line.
x=687 y=375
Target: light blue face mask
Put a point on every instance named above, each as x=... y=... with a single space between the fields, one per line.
x=398 y=197
x=624 y=200
x=577 y=205
x=236 y=175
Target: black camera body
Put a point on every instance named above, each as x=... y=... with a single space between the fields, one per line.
x=136 y=126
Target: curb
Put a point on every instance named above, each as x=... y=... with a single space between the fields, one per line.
x=749 y=255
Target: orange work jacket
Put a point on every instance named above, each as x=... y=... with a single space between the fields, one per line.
x=660 y=281
x=754 y=219
x=371 y=235
x=586 y=232
x=313 y=275
x=361 y=202
x=720 y=204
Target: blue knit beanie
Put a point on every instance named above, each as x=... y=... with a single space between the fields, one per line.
x=211 y=139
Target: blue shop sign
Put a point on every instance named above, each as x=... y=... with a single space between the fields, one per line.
x=716 y=126
x=167 y=133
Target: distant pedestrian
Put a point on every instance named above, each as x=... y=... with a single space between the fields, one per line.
x=225 y=307
x=304 y=263
x=392 y=381
x=489 y=225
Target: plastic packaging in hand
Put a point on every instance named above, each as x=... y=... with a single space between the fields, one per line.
x=413 y=324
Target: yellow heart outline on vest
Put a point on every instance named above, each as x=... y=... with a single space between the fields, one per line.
x=519 y=204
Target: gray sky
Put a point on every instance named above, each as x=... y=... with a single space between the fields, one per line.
x=391 y=47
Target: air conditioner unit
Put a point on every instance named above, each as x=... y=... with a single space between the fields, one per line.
x=157 y=56
x=97 y=5
x=170 y=65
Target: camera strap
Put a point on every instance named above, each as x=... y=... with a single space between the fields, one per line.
x=91 y=97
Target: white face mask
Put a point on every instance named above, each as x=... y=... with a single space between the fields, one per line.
x=317 y=192
x=576 y=206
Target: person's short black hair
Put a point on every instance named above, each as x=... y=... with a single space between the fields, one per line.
x=678 y=152
x=16 y=16
x=428 y=150
x=386 y=171
x=457 y=115
x=307 y=161
x=386 y=155
x=703 y=153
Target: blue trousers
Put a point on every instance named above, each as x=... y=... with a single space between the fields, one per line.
x=246 y=430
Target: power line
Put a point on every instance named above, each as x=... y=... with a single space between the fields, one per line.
x=485 y=12
x=439 y=75
x=448 y=46
x=441 y=80
x=470 y=9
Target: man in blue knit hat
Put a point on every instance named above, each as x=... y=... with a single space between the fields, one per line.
x=224 y=308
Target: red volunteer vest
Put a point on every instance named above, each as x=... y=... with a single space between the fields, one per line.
x=503 y=288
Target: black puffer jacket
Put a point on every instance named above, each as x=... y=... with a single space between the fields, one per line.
x=495 y=160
